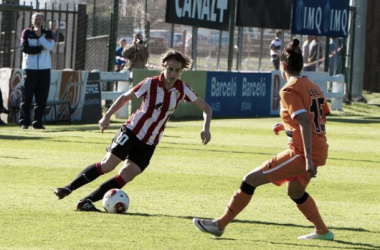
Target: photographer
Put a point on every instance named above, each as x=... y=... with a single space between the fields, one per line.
x=136 y=53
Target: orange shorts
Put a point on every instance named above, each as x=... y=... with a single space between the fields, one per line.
x=284 y=167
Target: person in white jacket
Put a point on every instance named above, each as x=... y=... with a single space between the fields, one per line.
x=36 y=44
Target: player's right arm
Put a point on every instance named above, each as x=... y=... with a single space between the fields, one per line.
x=116 y=105
x=277 y=128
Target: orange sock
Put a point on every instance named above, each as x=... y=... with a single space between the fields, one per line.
x=310 y=210
x=236 y=204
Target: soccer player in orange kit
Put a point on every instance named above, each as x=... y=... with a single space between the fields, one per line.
x=303 y=110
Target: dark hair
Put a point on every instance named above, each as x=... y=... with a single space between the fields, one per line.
x=292 y=56
x=178 y=56
x=137 y=36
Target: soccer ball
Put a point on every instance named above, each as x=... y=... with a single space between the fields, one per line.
x=116 y=201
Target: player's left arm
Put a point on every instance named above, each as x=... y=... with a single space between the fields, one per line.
x=207 y=115
x=305 y=128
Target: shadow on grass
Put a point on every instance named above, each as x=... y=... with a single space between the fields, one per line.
x=76 y=128
x=213 y=150
x=351 y=160
x=347 y=244
x=58 y=128
x=298 y=226
x=35 y=138
x=358 y=120
x=17 y=137
x=358 y=245
x=253 y=222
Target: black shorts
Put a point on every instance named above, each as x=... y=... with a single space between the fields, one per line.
x=125 y=145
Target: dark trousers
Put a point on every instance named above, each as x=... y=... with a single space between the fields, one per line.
x=276 y=63
x=35 y=83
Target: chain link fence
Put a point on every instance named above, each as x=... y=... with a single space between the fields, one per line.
x=251 y=45
x=251 y=52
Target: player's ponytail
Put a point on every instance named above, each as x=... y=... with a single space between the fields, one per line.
x=292 y=56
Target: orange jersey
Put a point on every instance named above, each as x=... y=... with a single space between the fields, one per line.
x=300 y=95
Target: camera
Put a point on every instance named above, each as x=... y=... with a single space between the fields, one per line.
x=140 y=41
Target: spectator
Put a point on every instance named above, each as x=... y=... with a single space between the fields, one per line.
x=57 y=36
x=120 y=60
x=306 y=52
x=136 y=53
x=335 y=55
x=275 y=50
x=36 y=44
x=314 y=55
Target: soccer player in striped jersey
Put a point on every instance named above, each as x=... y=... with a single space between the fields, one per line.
x=303 y=110
x=137 y=138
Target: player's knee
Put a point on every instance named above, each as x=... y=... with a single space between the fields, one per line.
x=109 y=163
x=246 y=188
x=301 y=199
x=295 y=192
x=108 y=166
x=129 y=171
x=255 y=178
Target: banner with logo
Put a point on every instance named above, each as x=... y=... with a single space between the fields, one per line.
x=321 y=18
x=211 y=14
x=92 y=106
x=73 y=87
x=239 y=94
x=271 y=14
x=277 y=83
x=84 y=98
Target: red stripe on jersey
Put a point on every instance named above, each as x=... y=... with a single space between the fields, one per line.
x=152 y=102
x=138 y=86
x=179 y=87
x=157 y=138
x=181 y=91
x=164 y=109
x=149 y=121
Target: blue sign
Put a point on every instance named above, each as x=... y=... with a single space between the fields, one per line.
x=239 y=94
x=321 y=18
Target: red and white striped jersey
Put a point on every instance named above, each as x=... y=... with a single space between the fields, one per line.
x=149 y=121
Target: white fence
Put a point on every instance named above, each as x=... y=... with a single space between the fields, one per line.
x=124 y=82
x=332 y=87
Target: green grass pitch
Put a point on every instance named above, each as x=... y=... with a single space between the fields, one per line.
x=187 y=179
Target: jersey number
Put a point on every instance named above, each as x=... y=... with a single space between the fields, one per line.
x=122 y=139
x=317 y=109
